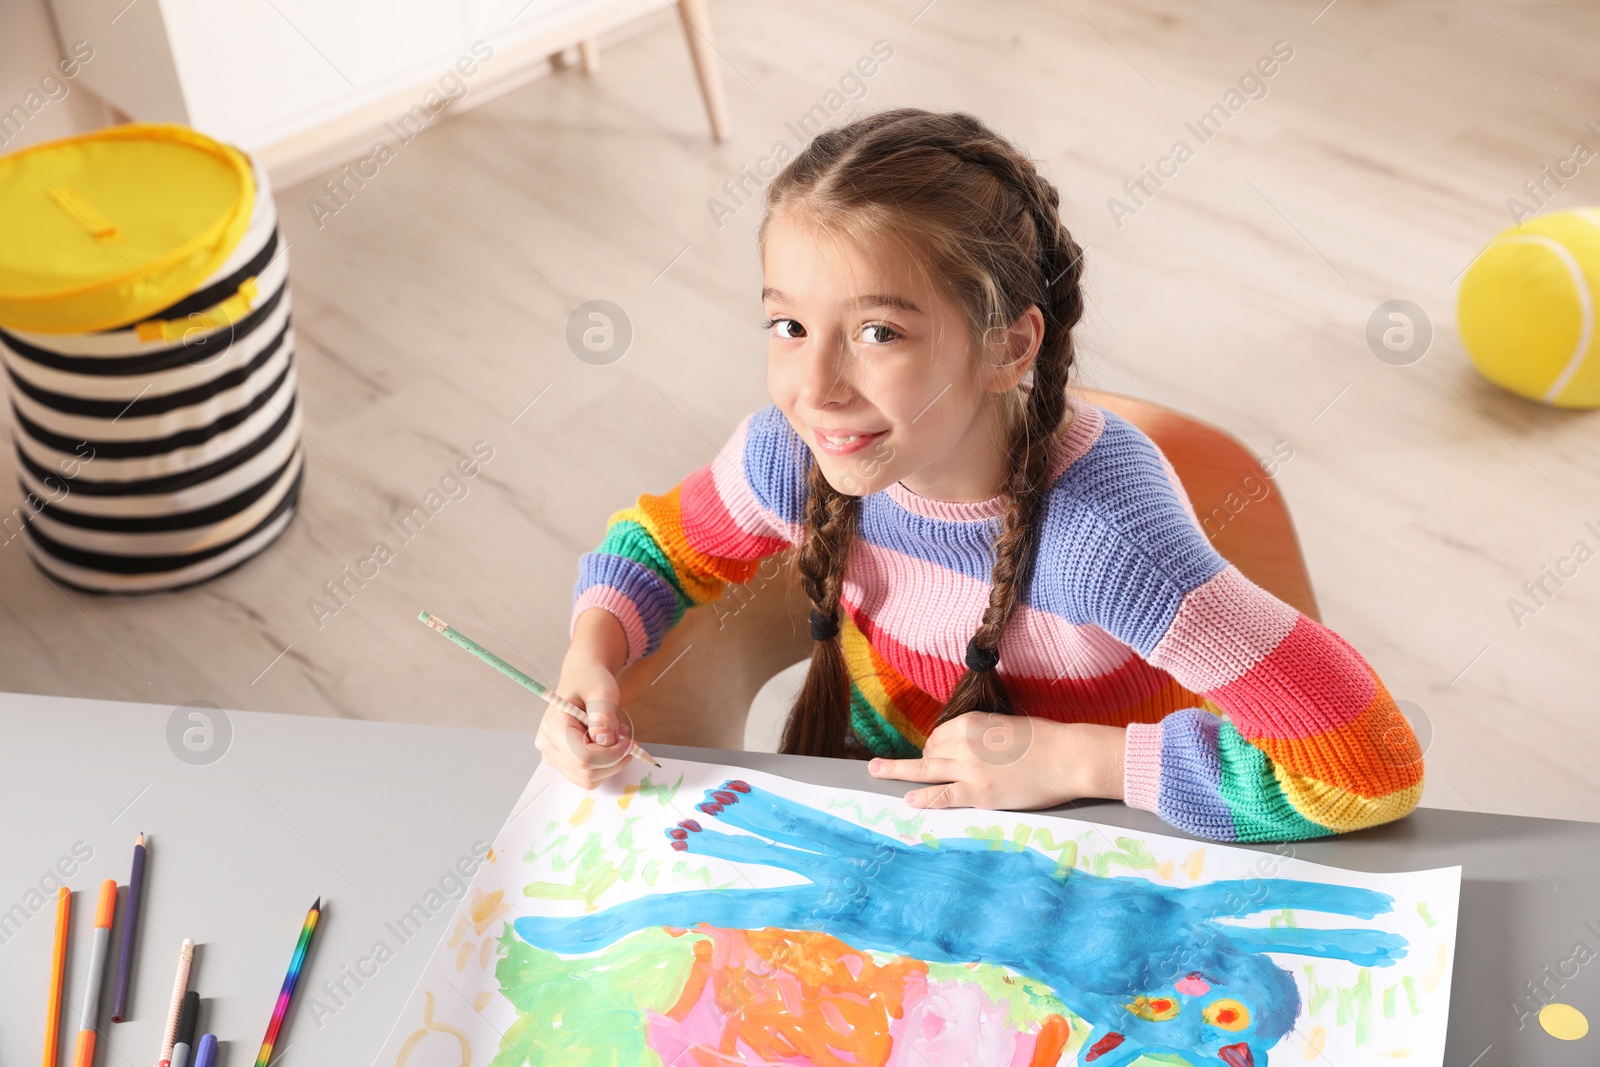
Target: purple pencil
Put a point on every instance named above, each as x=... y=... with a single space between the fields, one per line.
x=130 y=919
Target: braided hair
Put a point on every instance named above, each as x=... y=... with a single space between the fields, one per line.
x=987 y=225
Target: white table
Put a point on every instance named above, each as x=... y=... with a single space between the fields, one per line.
x=370 y=816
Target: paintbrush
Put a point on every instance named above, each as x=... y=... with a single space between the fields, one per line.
x=522 y=679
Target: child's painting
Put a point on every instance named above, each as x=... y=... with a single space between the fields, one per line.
x=702 y=915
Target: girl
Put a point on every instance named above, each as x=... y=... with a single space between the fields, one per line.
x=1012 y=598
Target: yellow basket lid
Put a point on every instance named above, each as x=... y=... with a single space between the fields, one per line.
x=107 y=228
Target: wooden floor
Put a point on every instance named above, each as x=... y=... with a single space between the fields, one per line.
x=431 y=311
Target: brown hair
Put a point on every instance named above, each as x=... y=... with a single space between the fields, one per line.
x=986 y=227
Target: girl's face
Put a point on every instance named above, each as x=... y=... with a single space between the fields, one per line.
x=873 y=368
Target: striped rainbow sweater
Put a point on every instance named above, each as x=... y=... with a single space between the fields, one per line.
x=1246 y=719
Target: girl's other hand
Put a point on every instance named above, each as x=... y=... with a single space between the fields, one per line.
x=1011 y=763
x=586 y=756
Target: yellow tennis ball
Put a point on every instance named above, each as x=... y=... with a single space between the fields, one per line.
x=1526 y=310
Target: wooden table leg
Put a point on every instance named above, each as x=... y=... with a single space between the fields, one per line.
x=697 y=28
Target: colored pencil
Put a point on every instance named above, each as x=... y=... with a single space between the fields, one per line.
x=634 y=748
x=89 y=1019
x=184 y=1040
x=286 y=994
x=130 y=919
x=58 y=976
x=205 y=1053
x=180 y=985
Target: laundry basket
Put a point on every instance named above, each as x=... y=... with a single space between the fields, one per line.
x=149 y=357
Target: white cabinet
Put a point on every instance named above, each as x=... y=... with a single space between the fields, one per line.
x=297 y=82
x=254 y=66
x=511 y=19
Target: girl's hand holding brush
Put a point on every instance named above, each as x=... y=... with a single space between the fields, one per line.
x=586 y=756
x=583 y=730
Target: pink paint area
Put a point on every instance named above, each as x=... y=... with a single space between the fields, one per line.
x=955 y=1024
x=697 y=1037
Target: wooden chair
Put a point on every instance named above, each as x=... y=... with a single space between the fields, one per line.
x=697 y=687
x=695 y=15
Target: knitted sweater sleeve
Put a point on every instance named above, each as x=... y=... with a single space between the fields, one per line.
x=674 y=551
x=1301 y=738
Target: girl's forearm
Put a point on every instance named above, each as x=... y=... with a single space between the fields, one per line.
x=1104 y=766
x=599 y=636
x=1086 y=759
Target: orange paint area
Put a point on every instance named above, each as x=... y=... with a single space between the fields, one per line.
x=802 y=997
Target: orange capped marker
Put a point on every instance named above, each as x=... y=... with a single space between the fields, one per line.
x=83 y=1055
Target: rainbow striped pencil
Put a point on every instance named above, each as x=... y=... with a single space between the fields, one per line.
x=286 y=994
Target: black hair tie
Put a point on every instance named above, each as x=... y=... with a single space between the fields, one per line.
x=823 y=627
x=979 y=658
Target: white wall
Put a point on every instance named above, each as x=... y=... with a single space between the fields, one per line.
x=37 y=103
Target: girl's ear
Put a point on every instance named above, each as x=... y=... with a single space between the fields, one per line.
x=1011 y=351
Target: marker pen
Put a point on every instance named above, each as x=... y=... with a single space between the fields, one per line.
x=184 y=1040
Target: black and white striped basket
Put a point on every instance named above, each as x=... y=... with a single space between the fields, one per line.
x=152 y=458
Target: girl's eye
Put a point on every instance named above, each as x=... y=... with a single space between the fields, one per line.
x=781 y=328
x=876 y=333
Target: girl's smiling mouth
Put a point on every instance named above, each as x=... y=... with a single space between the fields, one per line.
x=844 y=442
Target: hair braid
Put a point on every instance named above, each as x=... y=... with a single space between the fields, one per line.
x=831 y=518
x=1059 y=298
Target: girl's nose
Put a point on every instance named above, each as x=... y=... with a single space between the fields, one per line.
x=827 y=372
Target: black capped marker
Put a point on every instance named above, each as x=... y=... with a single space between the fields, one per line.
x=186 y=1021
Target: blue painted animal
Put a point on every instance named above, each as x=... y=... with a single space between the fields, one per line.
x=1152 y=966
